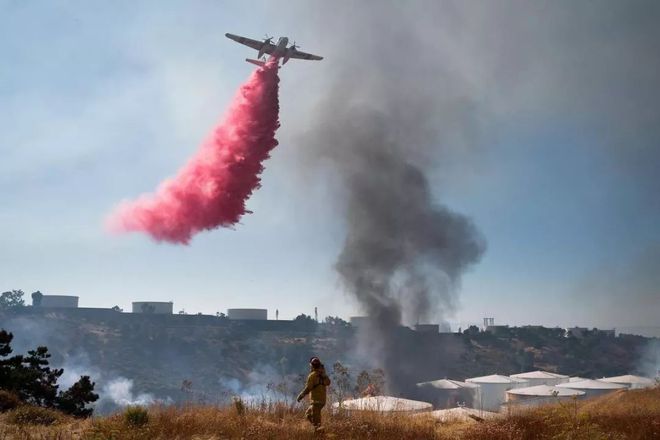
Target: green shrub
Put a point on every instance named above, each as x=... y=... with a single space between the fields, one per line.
x=34 y=415
x=8 y=401
x=136 y=416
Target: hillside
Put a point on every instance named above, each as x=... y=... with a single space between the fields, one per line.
x=208 y=359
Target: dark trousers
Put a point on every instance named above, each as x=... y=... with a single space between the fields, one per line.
x=313 y=413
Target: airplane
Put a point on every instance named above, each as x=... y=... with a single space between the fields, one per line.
x=276 y=51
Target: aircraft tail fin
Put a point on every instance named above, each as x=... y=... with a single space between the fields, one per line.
x=256 y=62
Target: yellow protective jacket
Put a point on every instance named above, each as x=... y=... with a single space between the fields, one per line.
x=316 y=383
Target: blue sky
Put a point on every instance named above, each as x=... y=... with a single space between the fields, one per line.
x=99 y=102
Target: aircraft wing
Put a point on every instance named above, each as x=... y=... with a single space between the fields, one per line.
x=304 y=55
x=254 y=44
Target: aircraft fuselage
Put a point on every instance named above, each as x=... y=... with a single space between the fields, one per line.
x=281 y=51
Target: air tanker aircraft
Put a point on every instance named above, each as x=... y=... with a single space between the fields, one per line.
x=276 y=51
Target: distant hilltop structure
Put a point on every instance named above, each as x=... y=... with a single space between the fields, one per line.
x=250 y=314
x=70 y=304
x=58 y=301
x=159 y=307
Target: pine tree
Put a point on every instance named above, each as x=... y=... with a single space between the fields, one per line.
x=34 y=382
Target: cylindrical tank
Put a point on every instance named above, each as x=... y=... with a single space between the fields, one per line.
x=631 y=381
x=156 y=307
x=539 y=395
x=541 y=378
x=67 y=301
x=253 y=314
x=492 y=390
x=447 y=393
x=593 y=388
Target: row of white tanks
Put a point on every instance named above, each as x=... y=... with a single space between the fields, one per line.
x=539 y=387
x=485 y=396
x=491 y=393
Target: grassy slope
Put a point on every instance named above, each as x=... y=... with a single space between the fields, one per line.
x=622 y=415
x=175 y=352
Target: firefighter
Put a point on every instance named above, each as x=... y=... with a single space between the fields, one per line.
x=317 y=381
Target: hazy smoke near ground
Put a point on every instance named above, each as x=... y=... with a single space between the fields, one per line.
x=120 y=392
x=649 y=360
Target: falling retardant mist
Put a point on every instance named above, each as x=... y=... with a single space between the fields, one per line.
x=211 y=190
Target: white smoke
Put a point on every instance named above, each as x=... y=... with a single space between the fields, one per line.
x=263 y=384
x=120 y=391
x=649 y=362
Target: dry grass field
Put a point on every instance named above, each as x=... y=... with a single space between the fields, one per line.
x=622 y=415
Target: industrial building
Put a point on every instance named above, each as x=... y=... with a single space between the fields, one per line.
x=359 y=321
x=493 y=388
x=540 y=377
x=427 y=328
x=153 y=307
x=249 y=314
x=62 y=301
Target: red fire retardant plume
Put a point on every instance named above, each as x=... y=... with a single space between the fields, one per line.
x=211 y=189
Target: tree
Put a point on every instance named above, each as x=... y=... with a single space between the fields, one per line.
x=472 y=330
x=341 y=381
x=32 y=380
x=304 y=323
x=74 y=400
x=36 y=298
x=35 y=382
x=117 y=309
x=336 y=321
x=370 y=384
x=11 y=298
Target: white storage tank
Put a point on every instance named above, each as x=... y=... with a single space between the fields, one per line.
x=252 y=314
x=631 y=381
x=66 y=301
x=593 y=388
x=155 y=307
x=540 y=395
x=459 y=414
x=383 y=404
x=492 y=390
x=447 y=393
x=540 y=377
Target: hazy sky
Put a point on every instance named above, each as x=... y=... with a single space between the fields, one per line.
x=553 y=149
